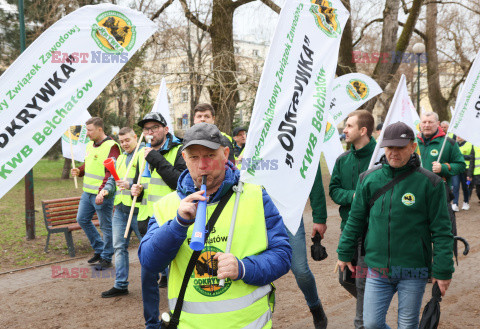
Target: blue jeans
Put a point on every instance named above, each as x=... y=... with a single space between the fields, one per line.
x=151 y=297
x=300 y=269
x=86 y=210
x=456 y=181
x=379 y=293
x=120 y=245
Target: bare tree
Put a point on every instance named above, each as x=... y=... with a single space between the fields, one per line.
x=223 y=89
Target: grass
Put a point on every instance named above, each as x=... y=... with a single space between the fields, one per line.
x=16 y=250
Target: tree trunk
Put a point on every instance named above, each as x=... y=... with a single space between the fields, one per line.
x=345 y=63
x=67 y=165
x=438 y=102
x=384 y=71
x=223 y=90
x=381 y=74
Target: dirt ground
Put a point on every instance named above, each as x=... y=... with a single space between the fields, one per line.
x=38 y=298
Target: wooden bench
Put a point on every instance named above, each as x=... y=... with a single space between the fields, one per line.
x=61 y=217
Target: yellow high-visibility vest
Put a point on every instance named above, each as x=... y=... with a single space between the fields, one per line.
x=94 y=168
x=237 y=304
x=466 y=149
x=154 y=188
x=124 y=196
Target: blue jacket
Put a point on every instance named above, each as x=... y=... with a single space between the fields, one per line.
x=160 y=244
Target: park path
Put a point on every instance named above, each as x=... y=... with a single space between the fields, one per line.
x=35 y=298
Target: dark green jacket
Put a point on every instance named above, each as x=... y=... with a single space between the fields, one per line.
x=429 y=150
x=346 y=171
x=317 y=199
x=402 y=224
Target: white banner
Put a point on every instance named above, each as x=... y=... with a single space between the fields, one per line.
x=332 y=146
x=77 y=136
x=161 y=105
x=466 y=121
x=62 y=72
x=401 y=109
x=349 y=92
x=283 y=145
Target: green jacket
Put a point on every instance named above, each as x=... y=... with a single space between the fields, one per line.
x=317 y=199
x=430 y=148
x=402 y=223
x=346 y=171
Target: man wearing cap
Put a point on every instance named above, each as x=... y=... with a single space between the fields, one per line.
x=165 y=163
x=240 y=138
x=204 y=112
x=260 y=252
x=403 y=210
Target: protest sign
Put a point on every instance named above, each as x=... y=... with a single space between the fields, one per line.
x=62 y=72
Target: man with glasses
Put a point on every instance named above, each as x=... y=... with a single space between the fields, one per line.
x=165 y=162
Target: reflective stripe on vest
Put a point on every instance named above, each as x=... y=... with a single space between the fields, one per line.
x=94 y=168
x=237 y=304
x=222 y=306
x=124 y=196
x=476 y=167
x=154 y=188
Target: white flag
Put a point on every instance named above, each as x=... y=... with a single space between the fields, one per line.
x=332 y=147
x=466 y=121
x=401 y=109
x=77 y=135
x=62 y=72
x=283 y=145
x=161 y=105
x=349 y=92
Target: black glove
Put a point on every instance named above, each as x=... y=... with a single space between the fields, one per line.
x=318 y=251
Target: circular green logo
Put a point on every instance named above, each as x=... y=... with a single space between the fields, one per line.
x=76 y=134
x=204 y=275
x=114 y=32
x=408 y=199
x=434 y=152
x=357 y=89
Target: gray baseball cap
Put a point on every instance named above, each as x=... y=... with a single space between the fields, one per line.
x=397 y=135
x=205 y=134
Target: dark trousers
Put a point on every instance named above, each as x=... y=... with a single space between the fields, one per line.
x=357 y=288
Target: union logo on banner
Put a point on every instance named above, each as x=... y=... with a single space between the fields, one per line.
x=114 y=32
x=77 y=134
x=357 y=90
x=329 y=132
x=326 y=18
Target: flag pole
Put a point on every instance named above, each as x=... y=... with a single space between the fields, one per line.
x=238 y=190
x=134 y=201
x=73 y=160
x=446 y=133
x=29 y=194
